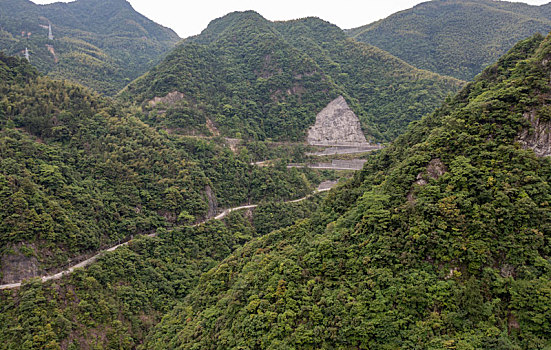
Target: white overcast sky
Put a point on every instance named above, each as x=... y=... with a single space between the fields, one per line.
x=191 y=17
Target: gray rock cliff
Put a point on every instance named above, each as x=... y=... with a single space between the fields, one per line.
x=538 y=137
x=337 y=125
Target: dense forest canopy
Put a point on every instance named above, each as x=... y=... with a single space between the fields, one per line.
x=441 y=241
x=78 y=172
x=116 y=301
x=267 y=80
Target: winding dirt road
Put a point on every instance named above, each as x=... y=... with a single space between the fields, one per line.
x=324 y=186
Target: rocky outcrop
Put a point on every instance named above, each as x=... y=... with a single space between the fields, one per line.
x=212 y=202
x=232 y=143
x=51 y=49
x=212 y=128
x=18 y=266
x=435 y=169
x=337 y=125
x=170 y=99
x=538 y=137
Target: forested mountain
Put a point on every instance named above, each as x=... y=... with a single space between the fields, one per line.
x=442 y=240
x=103 y=44
x=258 y=79
x=458 y=38
x=78 y=173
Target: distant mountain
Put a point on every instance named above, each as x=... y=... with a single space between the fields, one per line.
x=458 y=38
x=257 y=79
x=442 y=241
x=103 y=44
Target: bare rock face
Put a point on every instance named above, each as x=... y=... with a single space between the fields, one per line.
x=435 y=169
x=337 y=125
x=170 y=99
x=538 y=138
x=213 y=204
x=17 y=267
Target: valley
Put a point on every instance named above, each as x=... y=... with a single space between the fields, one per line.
x=275 y=184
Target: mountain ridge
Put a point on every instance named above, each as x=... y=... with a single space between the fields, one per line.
x=456 y=38
x=101 y=44
x=288 y=75
x=441 y=240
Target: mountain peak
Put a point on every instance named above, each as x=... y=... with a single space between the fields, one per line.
x=218 y=26
x=85 y=49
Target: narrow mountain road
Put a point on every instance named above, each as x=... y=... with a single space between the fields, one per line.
x=321 y=188
x=336 y=164
x=345 y=150
x=324 y=186
x=352 y=164
x=326 y=167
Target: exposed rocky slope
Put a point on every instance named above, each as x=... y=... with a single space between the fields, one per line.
x=337 y=125
x=257 y=79
x=538 y=136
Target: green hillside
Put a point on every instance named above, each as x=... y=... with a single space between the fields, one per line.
x=455 y=37
x=79 y=173
x=115 y=302
x=261 y=80
x=441 y=242
x=101 y=44
x=390 y=92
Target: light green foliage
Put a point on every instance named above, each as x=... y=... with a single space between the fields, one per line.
x=79 y=173
x=126 y=292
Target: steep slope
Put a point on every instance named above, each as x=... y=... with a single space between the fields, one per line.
x=442 y=241
x=391 y=92
x=117 y=300
x=78 y=173
x=455 y=37
x=248 y=79
x=101 y=44
x=256 y=79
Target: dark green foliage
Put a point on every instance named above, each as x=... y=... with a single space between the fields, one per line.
x=260 y=80
x=387 y=93
x=120 y=297
x=101 y=44
x=457 y=38
x=248 y=81
x=116 y=301
x=442 y=241
x=78 y=173
x=236 y=181
x=273 y=216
